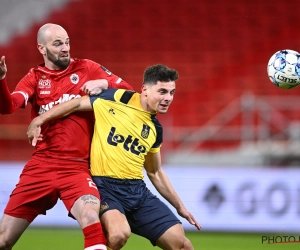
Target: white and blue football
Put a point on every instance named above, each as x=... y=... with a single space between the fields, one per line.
x=284 y=69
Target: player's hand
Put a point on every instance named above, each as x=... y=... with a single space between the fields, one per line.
x=94 y=87
x=189 y=217
x=34 y=132
x=3 y=68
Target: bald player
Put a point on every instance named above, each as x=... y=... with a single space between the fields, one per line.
x=59 y=167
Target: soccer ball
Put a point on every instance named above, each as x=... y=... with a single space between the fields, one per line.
x=284 y=69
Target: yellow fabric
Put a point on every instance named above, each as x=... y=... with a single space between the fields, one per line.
x=118 y=148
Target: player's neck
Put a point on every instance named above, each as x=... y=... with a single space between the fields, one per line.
x=145 y=105
x=49 y=65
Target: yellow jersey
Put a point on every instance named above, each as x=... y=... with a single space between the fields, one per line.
x=123 y=134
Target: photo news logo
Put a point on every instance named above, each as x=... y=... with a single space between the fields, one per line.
x=283 y=239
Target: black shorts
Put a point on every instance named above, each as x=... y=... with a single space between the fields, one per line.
x=147 y=215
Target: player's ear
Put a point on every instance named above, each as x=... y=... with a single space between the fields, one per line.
x=144 y=89
x=41 y=49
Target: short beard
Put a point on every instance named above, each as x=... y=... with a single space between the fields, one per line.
x=59 y=63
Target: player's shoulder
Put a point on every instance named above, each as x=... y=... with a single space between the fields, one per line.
x=116 y=95
x=108 y=94
x=83 y=61
x=156 y=122
x=32 y=72
x=37 y=68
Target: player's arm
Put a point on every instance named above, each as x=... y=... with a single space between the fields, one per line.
x=120 y=85
x=58 y=111
x=95 y=87
x=9 y=102
x=114 y=81
x=163 y=185
x=102 y=79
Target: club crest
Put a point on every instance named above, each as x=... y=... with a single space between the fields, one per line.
x=145 y=131
x=74 y=78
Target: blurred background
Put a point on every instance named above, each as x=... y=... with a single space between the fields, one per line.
x=231 y=137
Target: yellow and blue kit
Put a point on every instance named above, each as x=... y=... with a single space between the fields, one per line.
x=123 y=134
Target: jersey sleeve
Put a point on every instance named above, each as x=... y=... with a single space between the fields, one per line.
x=10 y=102
x=98 y=71
x=25 y=89
x=159 y=135
x=108 y=94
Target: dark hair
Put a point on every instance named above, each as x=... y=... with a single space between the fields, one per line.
x=159 y=72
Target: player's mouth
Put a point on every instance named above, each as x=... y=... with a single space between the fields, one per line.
x=164 y=106
x=64 y=56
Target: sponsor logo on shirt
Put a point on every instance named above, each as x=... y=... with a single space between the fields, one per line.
x=44 y=83
x=63 y=98
x=44 y=92
x=129 y=143
x=74 y=78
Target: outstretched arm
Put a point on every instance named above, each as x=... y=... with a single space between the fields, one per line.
x=163 y=185
x=60 y=110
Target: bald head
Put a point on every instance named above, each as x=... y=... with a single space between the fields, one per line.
x=54 y=44
x=47 y=30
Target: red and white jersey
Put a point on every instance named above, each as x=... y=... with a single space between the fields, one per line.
x=69 y=137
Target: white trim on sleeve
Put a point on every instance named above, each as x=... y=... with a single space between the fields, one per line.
x=23 y=94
